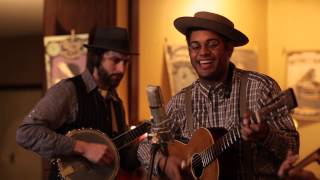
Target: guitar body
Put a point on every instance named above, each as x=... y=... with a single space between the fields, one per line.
x=201 y=139
x=78 y=168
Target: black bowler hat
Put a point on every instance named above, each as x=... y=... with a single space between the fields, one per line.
x=112 y=39
x=213 y=22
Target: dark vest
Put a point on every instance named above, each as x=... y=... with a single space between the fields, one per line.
x=94 y=111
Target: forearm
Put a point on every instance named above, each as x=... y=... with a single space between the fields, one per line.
x=43 y=141
x=278 y=142
x=37 y=130
x=282 y=135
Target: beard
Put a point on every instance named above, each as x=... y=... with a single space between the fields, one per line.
x=110 y=80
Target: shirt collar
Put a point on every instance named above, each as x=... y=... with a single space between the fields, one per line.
x=221 y=88
x=91 y=85
x=89 y=81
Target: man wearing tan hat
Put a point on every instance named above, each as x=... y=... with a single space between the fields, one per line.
x=216 y=101
x=88 y=100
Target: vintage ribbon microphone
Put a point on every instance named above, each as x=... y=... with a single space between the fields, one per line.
x=160 y=133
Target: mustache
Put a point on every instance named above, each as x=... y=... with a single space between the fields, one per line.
x=116 y=75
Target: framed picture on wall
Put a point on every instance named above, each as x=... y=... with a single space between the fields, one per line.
x=246 y=59
x=303 y=75
x=181 y=72
x=65 y=56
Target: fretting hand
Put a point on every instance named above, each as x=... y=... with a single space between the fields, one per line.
x=253 y=131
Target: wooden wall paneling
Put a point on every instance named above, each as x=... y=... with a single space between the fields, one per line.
x=61 y=16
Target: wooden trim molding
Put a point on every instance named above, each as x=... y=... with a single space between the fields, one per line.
x=133 y=81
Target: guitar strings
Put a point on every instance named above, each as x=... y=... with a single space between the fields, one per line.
x=212 y=152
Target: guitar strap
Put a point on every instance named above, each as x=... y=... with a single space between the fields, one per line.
x=246 y=159
x=188 y=103
x=243 y=93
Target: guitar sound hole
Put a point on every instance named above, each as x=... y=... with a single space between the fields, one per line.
x=197 y=166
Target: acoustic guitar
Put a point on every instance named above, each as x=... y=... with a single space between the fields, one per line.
x=76 y=167
x=200 y=155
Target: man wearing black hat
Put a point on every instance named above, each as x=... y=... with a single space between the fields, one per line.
x=214 y=101
x=88 y=100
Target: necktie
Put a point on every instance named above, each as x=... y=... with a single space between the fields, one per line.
x=111 y=98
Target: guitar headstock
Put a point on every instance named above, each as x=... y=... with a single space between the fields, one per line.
x=281 y=104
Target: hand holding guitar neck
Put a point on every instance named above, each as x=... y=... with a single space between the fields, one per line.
x=255 y=127
x=255 y=131
x=289 y=171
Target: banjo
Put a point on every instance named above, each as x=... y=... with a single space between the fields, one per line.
x=76 y=167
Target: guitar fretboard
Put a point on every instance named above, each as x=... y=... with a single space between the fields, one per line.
x=223 y=143
x=127 y=137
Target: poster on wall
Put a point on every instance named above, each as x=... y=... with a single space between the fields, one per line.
x=65 y=56
x=246 y=59
x=181 y=72
x=303 y=75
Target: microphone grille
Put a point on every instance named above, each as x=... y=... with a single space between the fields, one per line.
x=154 y=96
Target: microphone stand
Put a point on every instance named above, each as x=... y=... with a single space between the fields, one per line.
x=159 y=131
x=154 y=148
x=158 y=142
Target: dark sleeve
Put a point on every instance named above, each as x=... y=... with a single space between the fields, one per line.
x=282 y=135
x=36 y=131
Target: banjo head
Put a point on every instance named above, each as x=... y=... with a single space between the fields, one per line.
x=79 y=168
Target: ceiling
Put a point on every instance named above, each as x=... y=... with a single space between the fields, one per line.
x=20 y=17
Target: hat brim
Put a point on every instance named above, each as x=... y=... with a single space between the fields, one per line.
x=94 y=47
x=183 y=24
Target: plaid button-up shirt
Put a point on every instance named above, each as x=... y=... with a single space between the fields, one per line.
x=218 y=106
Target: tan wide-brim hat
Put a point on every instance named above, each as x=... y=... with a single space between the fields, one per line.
x=213 y=22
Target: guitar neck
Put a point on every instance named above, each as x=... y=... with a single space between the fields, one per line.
x=126 y=138
x=213 y=152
